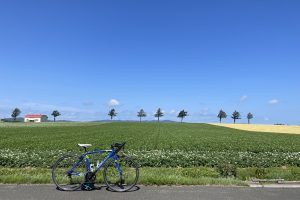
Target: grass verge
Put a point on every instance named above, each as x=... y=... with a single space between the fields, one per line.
x=148 y=176
x=162 y=176
x=286 y=173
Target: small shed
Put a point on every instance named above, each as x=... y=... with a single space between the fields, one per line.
x=36 y=118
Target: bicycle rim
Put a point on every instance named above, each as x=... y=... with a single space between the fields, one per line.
x=124 y=182
x=63 y=178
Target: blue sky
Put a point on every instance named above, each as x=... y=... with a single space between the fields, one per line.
x=84 y=57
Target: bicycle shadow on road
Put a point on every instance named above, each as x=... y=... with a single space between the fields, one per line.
x=134 y=189
x=99 y=187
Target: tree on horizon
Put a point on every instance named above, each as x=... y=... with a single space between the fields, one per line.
x=158 y=114
x=182 y=114
x=15 y=113
x=55 y=114
x=249 y=116
x=235 y=115
x=221 y=115
x=141 y=114
x=112 y=113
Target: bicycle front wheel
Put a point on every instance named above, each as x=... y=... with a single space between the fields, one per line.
x=66 y=175
x=121 y=175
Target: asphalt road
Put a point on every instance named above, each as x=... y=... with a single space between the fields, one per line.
x=41 y=192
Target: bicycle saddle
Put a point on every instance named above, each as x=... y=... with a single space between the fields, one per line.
x=84 y=145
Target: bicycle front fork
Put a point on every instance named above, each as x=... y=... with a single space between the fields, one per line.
x=117 y=165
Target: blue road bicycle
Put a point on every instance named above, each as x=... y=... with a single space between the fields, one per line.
x=73 y=171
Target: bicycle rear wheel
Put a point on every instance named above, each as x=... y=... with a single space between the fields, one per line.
x=63 y=177
x=125 y=181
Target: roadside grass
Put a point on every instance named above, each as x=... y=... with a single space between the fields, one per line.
x=286 y=173
x=148 y=176
x=185 y=176
x=26 y=175
x=161 y=175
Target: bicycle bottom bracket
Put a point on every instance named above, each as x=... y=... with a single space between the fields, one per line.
x=88 y=184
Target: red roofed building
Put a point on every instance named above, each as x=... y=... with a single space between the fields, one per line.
x=35 y=118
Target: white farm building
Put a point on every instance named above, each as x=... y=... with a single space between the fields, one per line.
x=36 y=118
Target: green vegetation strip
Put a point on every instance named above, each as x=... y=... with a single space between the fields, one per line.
x=161 y=158
x=148 y=176
x=162 y=176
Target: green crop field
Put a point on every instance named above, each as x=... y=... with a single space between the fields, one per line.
x=153 y=144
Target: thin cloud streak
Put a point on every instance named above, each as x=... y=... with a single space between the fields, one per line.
x=243 y=98
x=274 y=101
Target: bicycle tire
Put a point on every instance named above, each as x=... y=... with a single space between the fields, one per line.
x=60 y=173
x=114 y=180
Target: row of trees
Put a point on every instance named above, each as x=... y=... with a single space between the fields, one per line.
x=182 y=114
x=235 y=115
x=16 y=112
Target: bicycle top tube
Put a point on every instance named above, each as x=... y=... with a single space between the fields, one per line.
x=97 y=151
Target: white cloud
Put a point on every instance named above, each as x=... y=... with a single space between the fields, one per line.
x=113 y=102
x=266 y=119
x=173 y=112
x=274 y=101
x=243 y=98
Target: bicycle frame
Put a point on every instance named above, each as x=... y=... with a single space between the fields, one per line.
x=87 y=161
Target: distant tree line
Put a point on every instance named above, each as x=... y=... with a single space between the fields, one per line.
x=158 y=114
x=182 y=114
x=235 y=116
